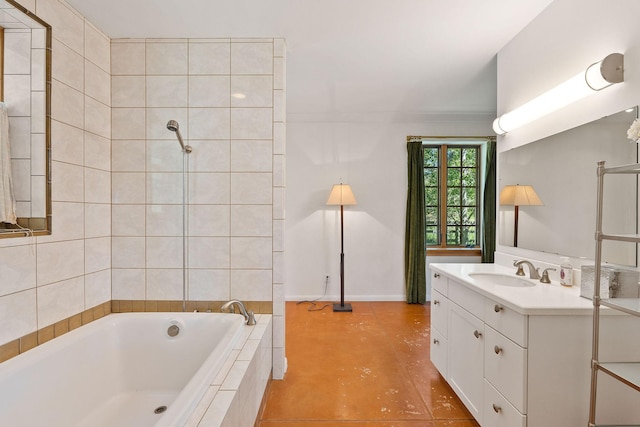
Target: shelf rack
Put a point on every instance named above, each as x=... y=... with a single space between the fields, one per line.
x=626 y=372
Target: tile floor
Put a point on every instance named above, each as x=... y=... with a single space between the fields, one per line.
x=366 y=368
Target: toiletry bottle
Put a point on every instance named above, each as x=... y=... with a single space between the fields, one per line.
x=566 y=272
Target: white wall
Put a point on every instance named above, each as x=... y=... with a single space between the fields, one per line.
x=563 y=40
x=371 y=156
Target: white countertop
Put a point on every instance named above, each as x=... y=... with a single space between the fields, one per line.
x=540 y=299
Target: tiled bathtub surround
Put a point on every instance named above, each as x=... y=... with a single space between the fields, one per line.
x=227 y=95
x=235 y=395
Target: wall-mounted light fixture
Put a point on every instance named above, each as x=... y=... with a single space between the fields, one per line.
x=597 y=76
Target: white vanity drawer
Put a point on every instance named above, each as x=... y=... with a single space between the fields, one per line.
x=505 y=367
x=506 y=321
x=498 y=412
x=439 y=282
x=439 y=312
x=438 y=352
x=471 y=301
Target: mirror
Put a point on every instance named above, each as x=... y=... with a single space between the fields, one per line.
x=25 y=41
x=562 y=170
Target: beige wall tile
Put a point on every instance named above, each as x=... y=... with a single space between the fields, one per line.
x=209 y=123
x=69 y=222
x=68 y=24
x=67 y=65
x=166 y=91
x=97 y=288
x=128 y=284
x=251 y=252
x=128 y=155
x=209 y=252
x=17 y=94
x=251 y=156
x=97 y=220
x=164 y=156
x=251 y=285
x=97 y=151
x=67 y=104
x=60 y=300
x=164 y=188
x=252 y=58
x=166 y=58
x=251 y=91
x=59 y=261
x=209 y=58
x=128 y=187
x=251 y=188
x=209 y=91
x=163 y=252
x=164 y=220
x=97 y=186
x=97 y=47
x=128 y=123
x=164 y=284
x=97 y=83
x=157 y=119
x=67 y=143
x=97 y=255
x=128 y=220
x=209 y=220
x=251 y=220
x=128 y=91
x=18 y=315
x=97 y=117
x=18 y=269
x=128 y=58
x=209 y=188
x=127 y=252
x=209 y=284
x=69 y=182
x=16 y=43
x=210 y=156
x=251 y=123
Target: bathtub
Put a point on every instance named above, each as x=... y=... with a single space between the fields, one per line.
x=130 y=369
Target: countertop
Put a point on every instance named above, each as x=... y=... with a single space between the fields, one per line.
x=540 y=299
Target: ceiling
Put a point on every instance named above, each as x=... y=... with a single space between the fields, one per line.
x=350 y=59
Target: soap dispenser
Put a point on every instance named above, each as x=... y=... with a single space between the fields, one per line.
x=566 y=272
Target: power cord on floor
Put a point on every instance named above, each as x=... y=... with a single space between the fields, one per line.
x=312 y=303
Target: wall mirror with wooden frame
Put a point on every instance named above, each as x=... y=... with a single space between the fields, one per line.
x=25 y=92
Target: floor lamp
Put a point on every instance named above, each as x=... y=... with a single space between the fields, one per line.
x=518 y=195
x=342 y=195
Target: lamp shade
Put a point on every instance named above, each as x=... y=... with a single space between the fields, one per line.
x=519 y=195
x=341 y=194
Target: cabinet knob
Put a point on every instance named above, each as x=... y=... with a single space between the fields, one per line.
x=497 y=349
x=497 y=308
x=436 y=275
x=435 y=341
x=436 y=302
x=496 y=408
x=477 y=333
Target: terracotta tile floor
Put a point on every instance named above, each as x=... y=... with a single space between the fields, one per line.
x=366 y=368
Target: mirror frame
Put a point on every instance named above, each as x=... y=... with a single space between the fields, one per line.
x=37 y=226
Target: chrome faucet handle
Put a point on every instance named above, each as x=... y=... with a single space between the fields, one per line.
x=520 y=271
x=251 y=318
x=545 y=275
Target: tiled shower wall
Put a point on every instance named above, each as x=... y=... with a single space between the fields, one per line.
x=228 y=97
x=47 y=279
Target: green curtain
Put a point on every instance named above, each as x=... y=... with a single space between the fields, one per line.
x=414 y=239
x=489 y=205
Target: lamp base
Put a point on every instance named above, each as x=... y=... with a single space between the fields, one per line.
x=340 y=307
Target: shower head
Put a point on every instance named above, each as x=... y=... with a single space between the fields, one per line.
x=172 y=125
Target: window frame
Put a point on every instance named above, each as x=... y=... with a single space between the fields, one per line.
x=443 y=143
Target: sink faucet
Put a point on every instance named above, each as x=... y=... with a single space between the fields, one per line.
x=248 y=315
x=533 y=272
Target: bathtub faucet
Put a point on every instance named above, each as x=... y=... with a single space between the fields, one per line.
x=248 y=315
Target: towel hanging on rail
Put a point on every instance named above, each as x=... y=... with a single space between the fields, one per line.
x=7 y=198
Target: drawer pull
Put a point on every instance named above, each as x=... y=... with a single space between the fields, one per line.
x=497 y=409
x=436 y=302
x=497 y=308
x=435 y=341
x=436 y=275
x=497 y=349
x=477 y=333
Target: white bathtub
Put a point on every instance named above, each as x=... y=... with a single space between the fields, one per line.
x=117 y=370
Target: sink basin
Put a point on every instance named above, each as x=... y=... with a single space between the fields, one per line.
x=501 y=280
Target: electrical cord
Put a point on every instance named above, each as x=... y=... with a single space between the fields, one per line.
x=312 y=303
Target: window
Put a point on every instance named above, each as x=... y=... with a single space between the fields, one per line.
x=452 y=186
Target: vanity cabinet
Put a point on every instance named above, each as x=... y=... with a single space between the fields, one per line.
x=521 y=370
